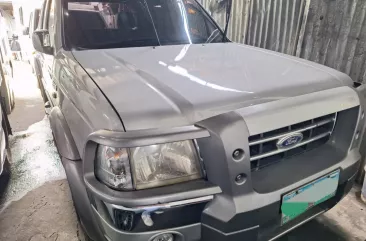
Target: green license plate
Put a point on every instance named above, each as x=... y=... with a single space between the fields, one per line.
x=309 y=195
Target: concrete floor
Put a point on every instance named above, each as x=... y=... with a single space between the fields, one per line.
x=35 y=200
x=28 y=101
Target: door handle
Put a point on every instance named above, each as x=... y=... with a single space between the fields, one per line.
x=54 y=95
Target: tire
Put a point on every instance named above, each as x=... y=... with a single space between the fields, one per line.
x=6 y=98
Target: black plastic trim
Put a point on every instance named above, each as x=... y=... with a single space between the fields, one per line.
x=62 y=135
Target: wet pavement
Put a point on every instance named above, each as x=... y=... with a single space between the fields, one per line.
x=33 y=157
x=35 y=200
x=33 y=161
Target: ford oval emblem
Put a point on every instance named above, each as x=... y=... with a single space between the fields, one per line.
x=290 y=140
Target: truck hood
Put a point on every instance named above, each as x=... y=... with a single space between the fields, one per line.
x=154 y=87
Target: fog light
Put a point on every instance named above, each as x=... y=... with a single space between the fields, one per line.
x=164 y=237
x=124 y=219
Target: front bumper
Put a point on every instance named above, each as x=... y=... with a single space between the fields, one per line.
x=259 y=223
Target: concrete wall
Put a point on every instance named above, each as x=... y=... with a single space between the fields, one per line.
x=330 y=32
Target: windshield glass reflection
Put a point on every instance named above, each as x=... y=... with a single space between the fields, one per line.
x=136 y=23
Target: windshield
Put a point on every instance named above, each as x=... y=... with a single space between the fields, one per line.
x=136 y=23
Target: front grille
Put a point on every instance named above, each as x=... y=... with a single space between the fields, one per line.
x=265 y=149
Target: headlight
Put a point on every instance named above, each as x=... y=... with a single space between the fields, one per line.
x=113 y=167
x=151 y=166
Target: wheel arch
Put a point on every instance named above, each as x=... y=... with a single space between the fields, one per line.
x=63 y=139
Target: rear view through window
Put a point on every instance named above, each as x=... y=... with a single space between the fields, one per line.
x=134 y=23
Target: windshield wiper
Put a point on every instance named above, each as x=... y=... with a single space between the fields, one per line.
x=213 y=35
x=122 y=44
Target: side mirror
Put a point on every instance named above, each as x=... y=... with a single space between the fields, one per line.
x=41 y=41
x=26 y=31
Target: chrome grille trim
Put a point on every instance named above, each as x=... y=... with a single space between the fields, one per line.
x=312 y=126
x=257 y=157
x=264 y=149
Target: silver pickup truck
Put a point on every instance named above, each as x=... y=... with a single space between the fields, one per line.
x=170 y=132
